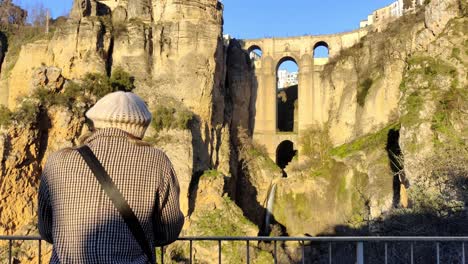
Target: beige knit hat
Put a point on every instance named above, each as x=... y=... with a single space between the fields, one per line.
x=121 y=110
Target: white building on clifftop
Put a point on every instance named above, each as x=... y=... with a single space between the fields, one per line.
x=382 y=16
x=287 y=79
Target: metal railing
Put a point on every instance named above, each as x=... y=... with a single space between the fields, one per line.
x=359 y=243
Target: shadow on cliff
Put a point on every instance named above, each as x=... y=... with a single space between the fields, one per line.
x=200 y=159
x=206 y=134
x=425 y=221
x=3 y=48
x=241 y=87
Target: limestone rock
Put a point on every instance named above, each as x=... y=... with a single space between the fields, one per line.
x=80 y=9
x=119 y=15
x=139 y=9
x=48 y=77
x=187 y=38
x=132 y=49
x=420 y=103
x=177 y=144
x=439 y=12
x=76 y=49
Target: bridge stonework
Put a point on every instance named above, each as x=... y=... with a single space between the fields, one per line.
x=310 y=95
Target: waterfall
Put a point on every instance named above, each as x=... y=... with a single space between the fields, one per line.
x=269 y=208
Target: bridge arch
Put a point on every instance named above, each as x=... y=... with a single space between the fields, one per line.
x=287 y=91
x=255 y=52
x=285 y=59
x=285 y=153
x=321 y=50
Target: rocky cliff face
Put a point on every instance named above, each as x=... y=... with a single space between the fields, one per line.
x=401 y=91
x=175 y=51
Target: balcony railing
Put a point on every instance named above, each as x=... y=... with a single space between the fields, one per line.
x=359 y=244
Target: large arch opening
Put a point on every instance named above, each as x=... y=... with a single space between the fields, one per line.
x=285 y=153
x=321 y=52
x=255 y=53
x=287 y=86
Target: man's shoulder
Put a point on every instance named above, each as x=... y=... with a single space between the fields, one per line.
x=62 y=155
x=158 y=153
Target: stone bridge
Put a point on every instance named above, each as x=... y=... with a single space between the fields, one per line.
x=275 y=51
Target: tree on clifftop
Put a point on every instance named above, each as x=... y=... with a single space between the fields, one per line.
x=11 y=14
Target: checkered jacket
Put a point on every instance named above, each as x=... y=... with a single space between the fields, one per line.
x=81 y=222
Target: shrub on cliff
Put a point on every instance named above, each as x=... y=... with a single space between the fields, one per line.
x=99 y=84
x=27 y=111
x=440 y=198
x=165 y=117
x=5 y=116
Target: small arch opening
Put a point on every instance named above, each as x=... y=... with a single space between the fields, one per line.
x=255 y=53
x=285 y=153
x=321 y=50
x=287 y=86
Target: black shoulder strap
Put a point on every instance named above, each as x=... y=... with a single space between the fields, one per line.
x=117 y=198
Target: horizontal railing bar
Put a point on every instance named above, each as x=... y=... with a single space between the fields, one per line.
x=306 y=239
x=329 y=239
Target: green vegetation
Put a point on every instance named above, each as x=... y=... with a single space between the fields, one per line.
x=226 y=221
x=99 y=84
x=74 y=96
x=5 y=116
x=456 y=53
x=315 y=144
x=425 y=72
x=362 y=91
x=212 y=174
x=168 y=117
x=253 y=153
x=434 y=80
x=27 y=112
x=378 y=139
x=414 y=104
x=449 y=111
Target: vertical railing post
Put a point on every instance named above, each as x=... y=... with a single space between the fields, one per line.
x=386 y=252
x=360 y=253
x=10 y=246
x=329 y=252
x=219 y=250
x=274 y=250
x=248 y=252
x=438 y=253
x=412 y=252
x=162 y=255
x=191 y=246
x=40 y=251
x=463 y=252
x=303 y=252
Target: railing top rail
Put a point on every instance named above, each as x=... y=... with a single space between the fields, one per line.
x=308 y=239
